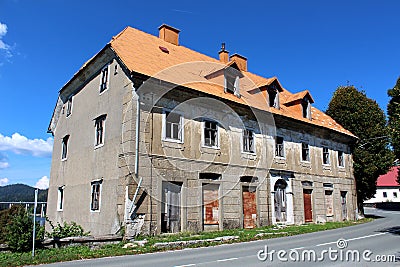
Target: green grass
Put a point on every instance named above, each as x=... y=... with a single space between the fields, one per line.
x=85 y=252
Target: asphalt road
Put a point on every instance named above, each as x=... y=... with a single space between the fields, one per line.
x=372 y=242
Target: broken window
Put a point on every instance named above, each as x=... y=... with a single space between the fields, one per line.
x=305 y=152
x=248 y=141
x=99 y=126
x=329 y=202
x=104 y=79
x=171 y=208
x=340 y=159
x=60 y=198
x=64 y=147
x=306 y=106
x=69 y=106
x=95 y=200
x=326 y=156
x=273 y=96
x=249 y=206
x=210 y=133
x=279 y=147
x=173 y=126
x=210 y=204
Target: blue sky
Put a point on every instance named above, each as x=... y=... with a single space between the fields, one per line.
x=315 y=45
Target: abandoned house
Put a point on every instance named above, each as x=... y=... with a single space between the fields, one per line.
x=152 y=137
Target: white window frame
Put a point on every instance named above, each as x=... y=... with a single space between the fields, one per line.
x=253 y=151
x=60 y=198
x=107 y=84
x=69 y=106
x=283 y=147
x=329 y=156
x=203 y=141
x=103 y=119
x=64 y=147
x=301 y=152
x=338 y=155
x=92 y=184
x=181 y=132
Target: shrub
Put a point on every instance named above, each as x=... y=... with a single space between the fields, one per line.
x=66 y=230
x=19 y=231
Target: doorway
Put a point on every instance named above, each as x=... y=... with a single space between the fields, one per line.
x=280 y=200
x=249 y=207
x=343 y=200
x=171 y=207
x=308 y=212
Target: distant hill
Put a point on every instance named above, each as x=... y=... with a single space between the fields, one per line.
x=21 y=192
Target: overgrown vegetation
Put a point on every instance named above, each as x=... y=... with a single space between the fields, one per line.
x=362 y=116
x=86 y=252
x=66 y=230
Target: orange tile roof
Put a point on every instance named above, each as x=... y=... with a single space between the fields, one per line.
x=298 y=96
x=141 y=52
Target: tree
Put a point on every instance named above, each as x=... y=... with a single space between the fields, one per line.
x=393 y=110
x=371 y=153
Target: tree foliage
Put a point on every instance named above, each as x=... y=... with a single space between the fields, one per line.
x=371 y=153
x=393 y=110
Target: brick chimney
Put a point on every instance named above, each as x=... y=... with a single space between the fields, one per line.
x=241 y=61
x=223 y=54
x=169 y=34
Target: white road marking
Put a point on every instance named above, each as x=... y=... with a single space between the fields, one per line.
x=186 y=265
x=351 y=239
x=230 y=259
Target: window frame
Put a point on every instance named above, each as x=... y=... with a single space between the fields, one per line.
x=102 y=76
x=102 y=119
x=384 y=194
x=328 y=163
x=60 y=198
x=283 y=148
x=203 y=135
x=308 y=159
x=181 y=132
x=93 y=185
x=340 y=154
x=64 y=147
x=252 y=148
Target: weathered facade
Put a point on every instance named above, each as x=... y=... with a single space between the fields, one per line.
x=151 y=137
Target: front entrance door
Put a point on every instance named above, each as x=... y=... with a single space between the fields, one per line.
x=249 y=207
x=343 y=200
x=171 y=207
x=308 y=214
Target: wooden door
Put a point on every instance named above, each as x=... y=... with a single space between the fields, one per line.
x=308 y=215
x=210 y=204
x=249 y=207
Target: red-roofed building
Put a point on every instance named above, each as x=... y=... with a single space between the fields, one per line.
x=387 y=188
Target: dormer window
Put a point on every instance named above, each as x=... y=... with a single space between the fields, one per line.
x=273 y=95
x=306 y=108
x=232 y=84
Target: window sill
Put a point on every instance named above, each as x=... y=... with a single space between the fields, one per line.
x=211 y=147
x=65 y=159
x=326 y=167
x=249 y=155
x=95 y=211
x=98 y=146
x=178 y=141
x=102 y=92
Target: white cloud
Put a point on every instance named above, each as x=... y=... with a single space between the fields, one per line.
x=3 y=181
x=3 y=161
x=43 y=183
x=20 y=144
x=5 y=48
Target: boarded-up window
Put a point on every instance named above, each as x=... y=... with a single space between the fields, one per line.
x=329 y=202
x=210 y=204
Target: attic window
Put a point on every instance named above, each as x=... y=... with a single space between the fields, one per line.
x=273 y=95
x=306 y=106
x=232 y=84
x=164 y=49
